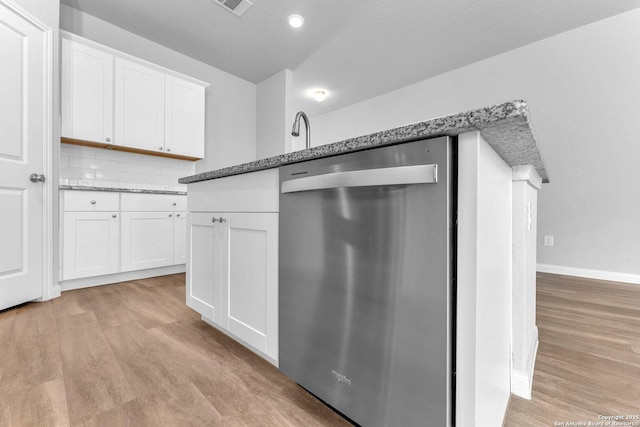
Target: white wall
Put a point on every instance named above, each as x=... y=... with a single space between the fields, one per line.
x=230 y=101
x=273 y=105
x=583 y=89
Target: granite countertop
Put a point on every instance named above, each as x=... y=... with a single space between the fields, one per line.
x=119 y=190
x=504 y=126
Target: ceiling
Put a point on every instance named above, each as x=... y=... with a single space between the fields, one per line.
x=354 y=48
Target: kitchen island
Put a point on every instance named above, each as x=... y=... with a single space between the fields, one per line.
x=232 y=274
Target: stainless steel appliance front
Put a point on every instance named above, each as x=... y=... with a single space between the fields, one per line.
x=365 y=282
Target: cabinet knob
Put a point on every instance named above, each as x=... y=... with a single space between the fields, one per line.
x=168 y=149
x=114 y=216
x=108 y=139
x=170 y=215
x=160 y=148
x=214 y=219
x=221 y=219
x=93 y=202
x=178 y=215
x=174 y=203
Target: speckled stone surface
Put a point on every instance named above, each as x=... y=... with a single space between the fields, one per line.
x=119 y=190
x=505 y=127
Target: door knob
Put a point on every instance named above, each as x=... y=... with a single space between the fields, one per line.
x=35 y=177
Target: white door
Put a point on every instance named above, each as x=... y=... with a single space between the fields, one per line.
x=147 y=240
x=250 y=285
x=139 y=106
x=24 y=133
x=180 y=237
x=184 y=117
x=87 y=93
x=203 y=265
x=90 y=244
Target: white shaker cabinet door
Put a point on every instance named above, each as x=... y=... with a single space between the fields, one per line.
x=184 y=117
x=179 y=237
x=90 y=244
x=204 y=265
x=147 y=240
x=250 y=287
x=87 y=93
x=139 y=106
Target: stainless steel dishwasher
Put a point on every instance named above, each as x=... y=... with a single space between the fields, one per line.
x=366 y=296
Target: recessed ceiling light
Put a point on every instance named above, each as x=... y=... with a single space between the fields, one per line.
x=295 y=20
x=320 y=95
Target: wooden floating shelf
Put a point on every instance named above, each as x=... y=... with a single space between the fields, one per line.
x=84 y=143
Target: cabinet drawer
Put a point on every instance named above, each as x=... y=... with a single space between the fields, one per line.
x=90 y=201
x=134 y=202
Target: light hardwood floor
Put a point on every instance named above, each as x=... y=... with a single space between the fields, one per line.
x=588 y=362
x=132 y=354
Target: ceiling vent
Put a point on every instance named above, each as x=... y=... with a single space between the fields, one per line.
x=237 y=7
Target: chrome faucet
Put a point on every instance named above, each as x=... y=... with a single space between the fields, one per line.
x=295 y=131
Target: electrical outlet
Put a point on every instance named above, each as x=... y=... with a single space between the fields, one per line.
x=548 y=240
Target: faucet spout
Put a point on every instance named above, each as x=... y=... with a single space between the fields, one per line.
x=295 y=131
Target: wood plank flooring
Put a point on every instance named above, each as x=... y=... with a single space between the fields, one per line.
x=588 y=361
x=132 y=354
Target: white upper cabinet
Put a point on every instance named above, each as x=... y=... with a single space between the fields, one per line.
x=87 y=92
x=113 y=99
x=139 y=106
x=183 y=117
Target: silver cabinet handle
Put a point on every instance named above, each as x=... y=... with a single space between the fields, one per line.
x=108 y=139
x=114 y=216
x=93 y=202
x=160 y=148
x=174 y=203
x=168 y=149
x=178 y=215
x=36 y=177
x=221 y=219
x=170 y=215
x=401 y=175
x=214 y=219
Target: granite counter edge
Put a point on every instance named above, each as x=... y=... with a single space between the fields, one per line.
x=513 y=113
x=119 y=190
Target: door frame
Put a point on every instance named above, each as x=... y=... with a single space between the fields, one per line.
x=49 y=290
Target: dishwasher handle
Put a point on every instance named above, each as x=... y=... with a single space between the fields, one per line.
x=401 y=175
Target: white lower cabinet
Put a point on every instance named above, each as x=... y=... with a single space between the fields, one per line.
x=204 y=266
x=106 y=233
x=180 y=237
x=147 y=240
x=90 y=244
x=232 y=275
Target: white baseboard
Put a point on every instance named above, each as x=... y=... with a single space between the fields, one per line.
x=589 y=274
x=522 y=381
x=86 y=282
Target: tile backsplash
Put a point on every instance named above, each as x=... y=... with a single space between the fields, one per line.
x=98 y=167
